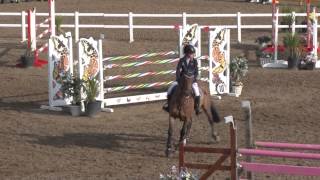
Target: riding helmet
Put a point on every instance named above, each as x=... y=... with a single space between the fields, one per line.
x=189 y=49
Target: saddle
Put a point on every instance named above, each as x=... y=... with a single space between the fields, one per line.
x=166 y=105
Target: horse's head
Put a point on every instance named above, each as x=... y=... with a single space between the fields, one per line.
x=186 y=84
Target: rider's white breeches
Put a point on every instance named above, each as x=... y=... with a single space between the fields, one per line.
x=195 y=88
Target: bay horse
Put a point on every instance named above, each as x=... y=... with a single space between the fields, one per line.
x=181 y=106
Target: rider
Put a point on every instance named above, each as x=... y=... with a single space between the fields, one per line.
x=187 y=65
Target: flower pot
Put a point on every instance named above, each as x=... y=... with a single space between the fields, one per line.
x=292 y=63
x=27 y=61
x=75 y=110
x=307 y=66
x=93 y=108
x=237 y=90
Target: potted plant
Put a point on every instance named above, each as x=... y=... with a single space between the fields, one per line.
x=238 y=70
x=91 y=88
x=174 y=174
x=27 y=60
x=293 y=50
x=308 y=62
x=288 y=19
x=263 y=41
x=71 y=86
x=58 y=22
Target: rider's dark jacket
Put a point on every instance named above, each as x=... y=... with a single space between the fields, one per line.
x=190 y=69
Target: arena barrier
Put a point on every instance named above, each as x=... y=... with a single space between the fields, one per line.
x=34 y=37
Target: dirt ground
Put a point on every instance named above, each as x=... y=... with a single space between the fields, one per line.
x=130 y=143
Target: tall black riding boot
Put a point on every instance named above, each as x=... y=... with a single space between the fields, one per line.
x=166 y=106
x=197 y=105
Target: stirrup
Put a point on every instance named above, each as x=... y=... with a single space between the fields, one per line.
x=165 y=107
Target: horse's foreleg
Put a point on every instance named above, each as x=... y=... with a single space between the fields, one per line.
x=170 y=140
x=189 y=128
x=183 y=131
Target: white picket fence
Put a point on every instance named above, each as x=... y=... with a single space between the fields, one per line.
x=131 y=16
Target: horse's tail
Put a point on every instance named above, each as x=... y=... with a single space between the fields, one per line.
x=214 y=112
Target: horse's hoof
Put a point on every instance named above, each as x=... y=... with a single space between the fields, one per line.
x=169 y=153
x=216 y=138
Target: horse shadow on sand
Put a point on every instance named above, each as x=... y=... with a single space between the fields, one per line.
x=16 y=103
x=127 y=143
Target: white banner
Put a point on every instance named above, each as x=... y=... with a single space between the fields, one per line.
x=219 y=54
x=60 y=64
x=90 y=62
x=190 y=35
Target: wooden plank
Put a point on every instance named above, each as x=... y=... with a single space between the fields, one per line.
x=181 y=156
x=281 y=169
x=214 y=167
x=233 y=153
x=280 y=154
x=206 y=150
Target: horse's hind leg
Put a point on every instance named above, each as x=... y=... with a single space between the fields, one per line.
x=170 y=141
x=206 y=109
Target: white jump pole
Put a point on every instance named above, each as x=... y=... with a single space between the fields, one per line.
x=52 y=17
x=275 y=30
x=23 y=26
x=211 y=87
x=76 y=26
x=32 y=29
x=130 y=27
x=309 y=25
x=101 y=95
x=276 y=35
x=315 y=34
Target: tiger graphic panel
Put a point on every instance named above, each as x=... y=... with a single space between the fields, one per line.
x=219 y=54
x=89 y=61
x=60 y=65
x=191 y=34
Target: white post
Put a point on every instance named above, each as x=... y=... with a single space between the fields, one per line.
x=276 y=35
x=23 y=26
x=70 y=45
x=76 y=26
x=180 y=43
x=198 y=35
x=33 y=36
x=184 y=20
x=101 y=94
x=52 y=17
x=293 y=25
x=315 y=34
x=211 y=88
x=239 y=26
x=228 y=37
x=131 y=27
